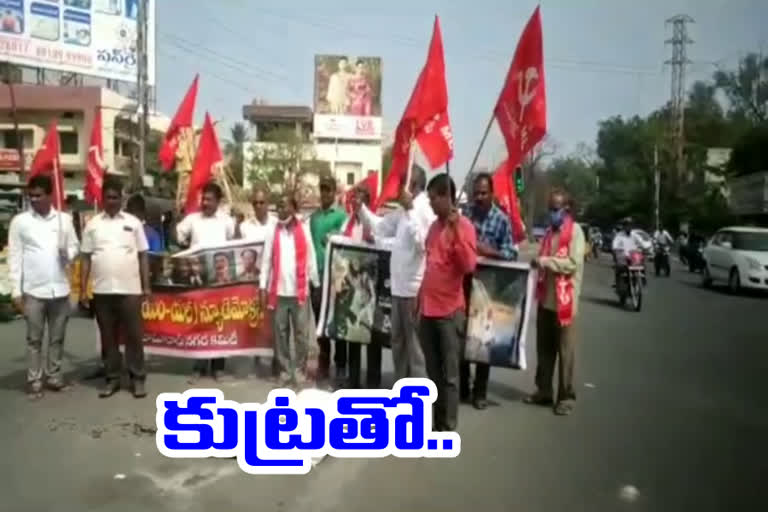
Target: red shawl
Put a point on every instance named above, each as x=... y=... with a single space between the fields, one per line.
x=301 y=262
x=563 y=283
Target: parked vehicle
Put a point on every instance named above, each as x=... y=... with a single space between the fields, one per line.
x=629 y=285
x=737 y=256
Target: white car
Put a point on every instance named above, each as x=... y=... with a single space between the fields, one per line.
x=737 y=256
x=644 y=240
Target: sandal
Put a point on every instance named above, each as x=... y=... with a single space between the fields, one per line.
x=35 y=390
x=537 y=399
x=563 y=409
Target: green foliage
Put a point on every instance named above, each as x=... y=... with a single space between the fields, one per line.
x=628 y=149
x=233 y=149
x=750 y=153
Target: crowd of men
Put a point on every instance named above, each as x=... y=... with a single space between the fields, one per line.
x=434 y=250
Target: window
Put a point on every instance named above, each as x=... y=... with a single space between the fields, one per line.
x=69 y=143
x=9 y=139
x=350 y=178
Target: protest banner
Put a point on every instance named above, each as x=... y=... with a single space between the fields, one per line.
x=498 y=311
x=205 y=303
x=357 y=302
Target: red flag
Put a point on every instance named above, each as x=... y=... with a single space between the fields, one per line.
x=94 y=178
x=47 y=162
x=504 y=191
x=371 y=183
x=208 y=156
x=184 y=118
x=522 y=107
x=425 y=120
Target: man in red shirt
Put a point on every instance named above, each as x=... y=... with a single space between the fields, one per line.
x=451 y=246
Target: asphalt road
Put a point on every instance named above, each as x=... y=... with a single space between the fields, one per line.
x=671 y=403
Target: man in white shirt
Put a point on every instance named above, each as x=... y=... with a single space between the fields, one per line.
x=662 y=237
x=114 y=251
x=207 y=228
x=624 y=243
x=262 y=225
x=288 y=266
x=41 y=243
x=405 y=231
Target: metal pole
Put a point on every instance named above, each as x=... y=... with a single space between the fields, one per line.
x=477 y=153
x=141 y=100
x=657 y=186
x=19 y=143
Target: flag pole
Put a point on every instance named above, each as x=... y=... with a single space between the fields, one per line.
x=479 y=148
x=59 y=196
x=410 y=164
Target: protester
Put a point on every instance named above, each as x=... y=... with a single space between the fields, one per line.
x=495 y=241
x=324 y=223
x=262 y=224
x=258 y=229
x=355 y=229
x=451 y=247
x=41 y=244
x=114 y=251
x=210 y=228
x=288 y=267
x=560 y=267
x=137 y=207
x=404 y=232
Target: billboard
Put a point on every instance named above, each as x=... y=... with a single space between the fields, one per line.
x=90 y=37
x=347 y=97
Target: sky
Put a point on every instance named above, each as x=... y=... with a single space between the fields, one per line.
x=602 y=57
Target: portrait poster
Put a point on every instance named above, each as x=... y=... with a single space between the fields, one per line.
x=499 y=307
x=231 y=263
x=356 y=295
x=205 y=303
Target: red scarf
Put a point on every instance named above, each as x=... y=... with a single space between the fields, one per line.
x=351 y=223
x=301 y=263
x=563 y=283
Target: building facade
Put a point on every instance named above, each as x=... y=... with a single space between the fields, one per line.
x=272 y=155
x=74 y=108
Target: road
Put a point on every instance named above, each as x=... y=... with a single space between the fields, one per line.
x=671 y=402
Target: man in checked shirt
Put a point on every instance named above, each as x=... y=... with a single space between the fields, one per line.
x=494 y=240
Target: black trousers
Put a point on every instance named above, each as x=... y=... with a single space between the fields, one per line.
x=441 y=342
x=119 y=319
x=372 y=362
x=205 y=366
x=324 y=359
x=479 y=390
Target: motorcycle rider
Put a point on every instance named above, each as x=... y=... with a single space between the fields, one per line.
x=663 y=238
x=624 y=243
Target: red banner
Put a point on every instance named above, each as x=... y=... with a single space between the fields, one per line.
x=207 y=323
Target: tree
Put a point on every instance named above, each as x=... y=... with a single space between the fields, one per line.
x=746 y=89
x=282 y=160
x=233 y=150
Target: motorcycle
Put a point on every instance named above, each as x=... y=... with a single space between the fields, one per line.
x=696 y=258
x=629 y=285
x=661 y=260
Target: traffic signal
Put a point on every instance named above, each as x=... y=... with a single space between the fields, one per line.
x=519 y=185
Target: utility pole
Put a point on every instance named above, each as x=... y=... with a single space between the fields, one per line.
x=142 y=100
x=678 y=62
x=657 y=187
